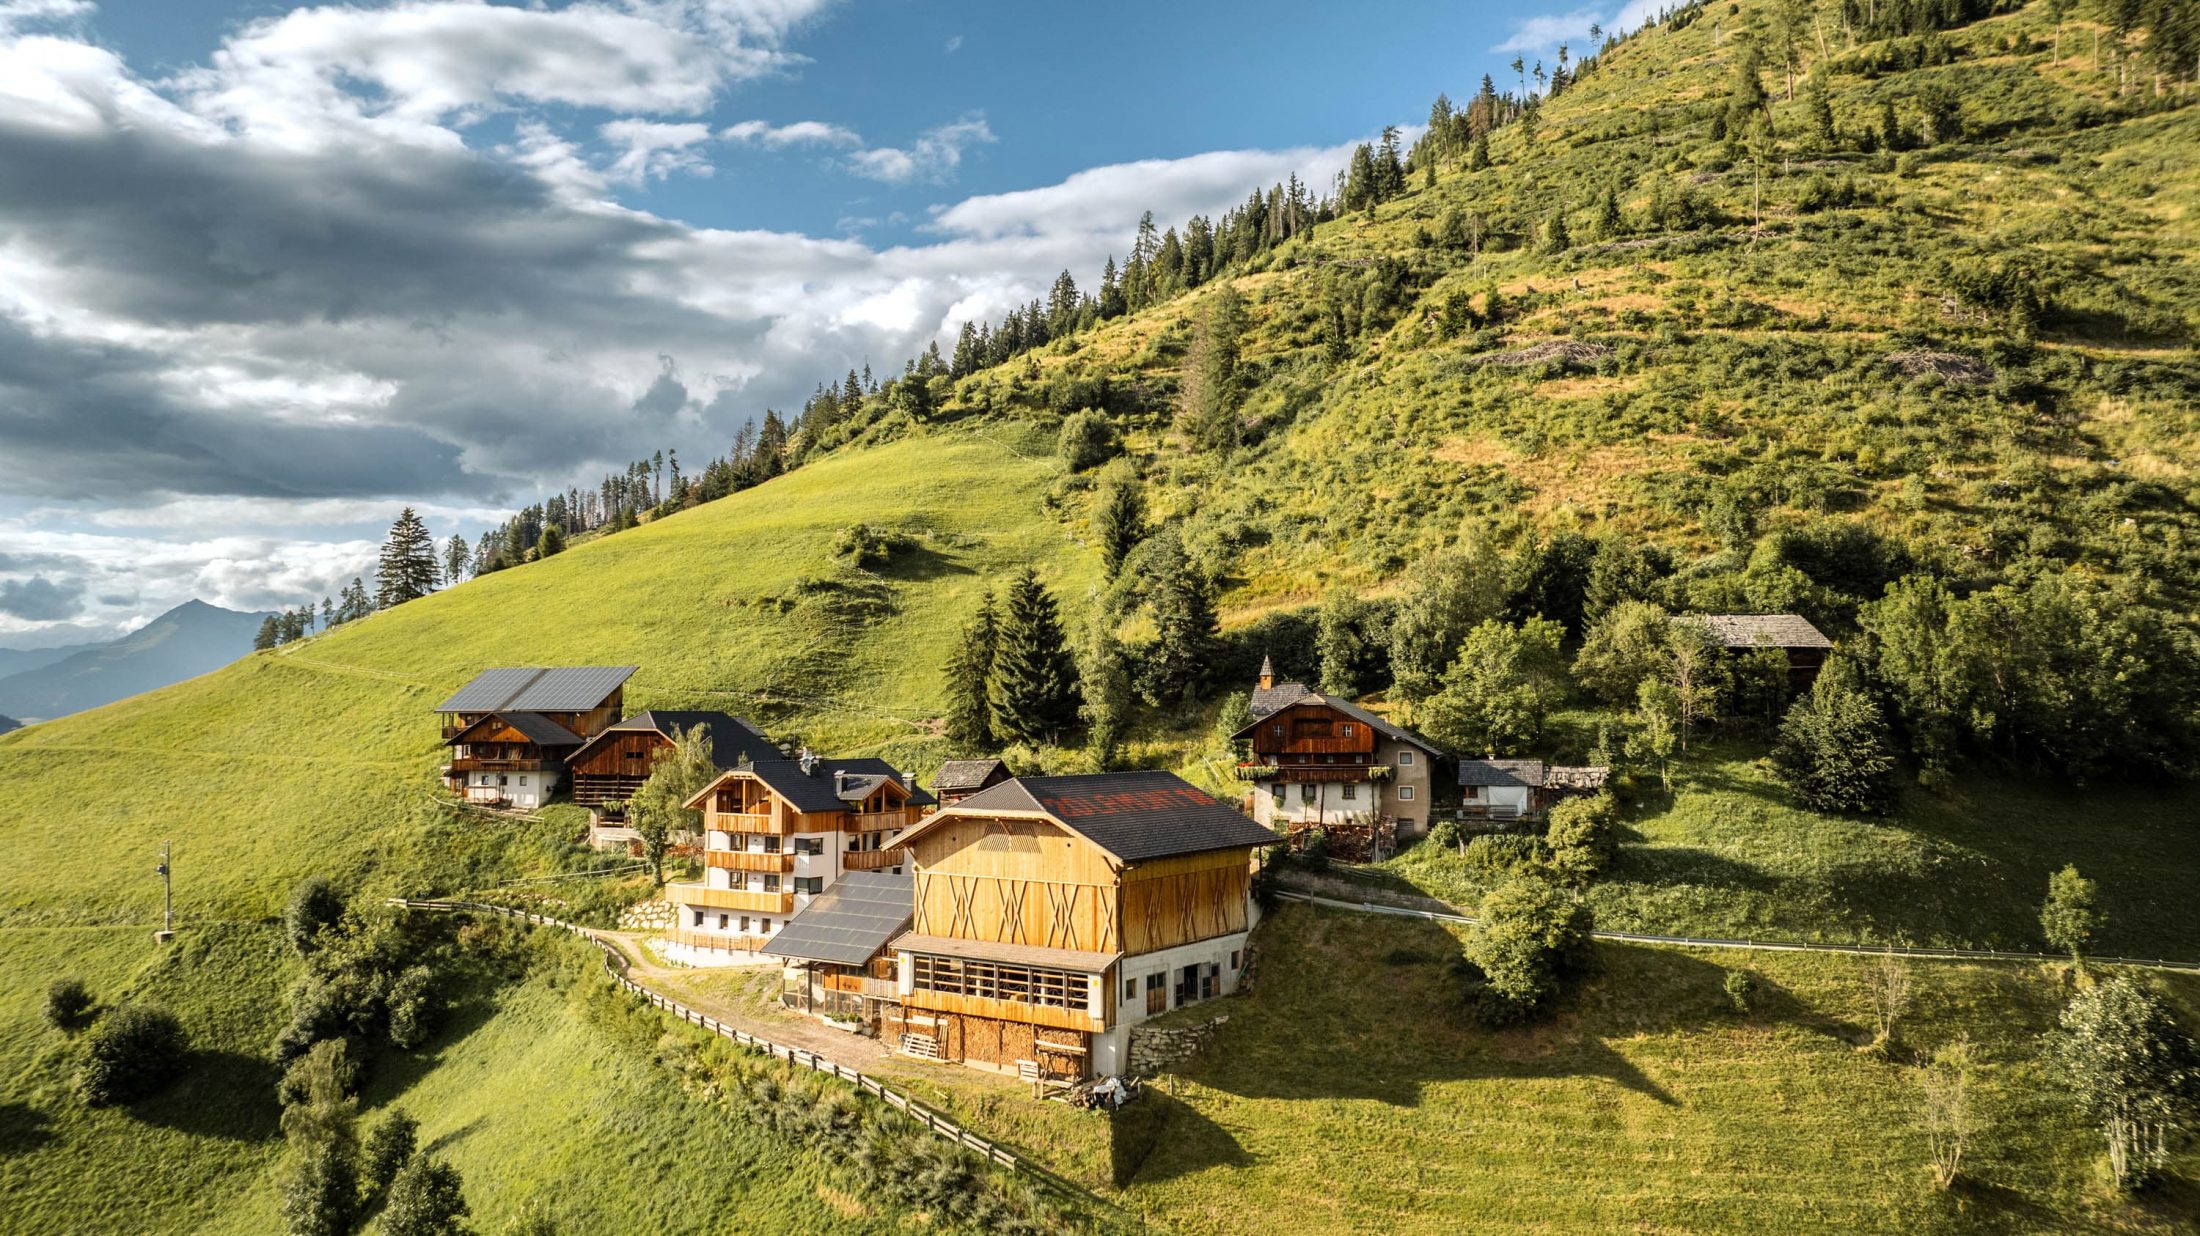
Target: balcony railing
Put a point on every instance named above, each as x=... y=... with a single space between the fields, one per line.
x=749 y=860
x=874 y=860
x=741 y=821
x=731 y=898
x=714 y=939
x=470 y=764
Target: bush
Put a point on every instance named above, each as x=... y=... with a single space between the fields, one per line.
x=1088 y=439
x=1504 y=853
x=426 y=1199
x=1740 y=986
x=861 y=545
x=1580 y=837
x=1528 y=934
x=135 y=1052
x=1444 y=835
x=321 y=1194
x=1314 y=850
x=68 y=1005
x=414 y=1007
x=314 y=906
x=389 y=1147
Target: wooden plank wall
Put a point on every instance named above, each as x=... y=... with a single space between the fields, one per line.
x=1008 y=881
x=1194 y=897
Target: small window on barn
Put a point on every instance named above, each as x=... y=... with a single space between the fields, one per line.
x=1130 y=989
x=1351 y=730
x=1234 y=960
x=1351 y=791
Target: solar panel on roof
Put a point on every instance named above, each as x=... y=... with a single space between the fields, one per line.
x=534 y=689
x=851 y=921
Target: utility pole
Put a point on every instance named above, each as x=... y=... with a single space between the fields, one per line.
x=167 y=930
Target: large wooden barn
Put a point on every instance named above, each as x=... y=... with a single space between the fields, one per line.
x=510 y=730
x=777 y=833
x=1051 y=914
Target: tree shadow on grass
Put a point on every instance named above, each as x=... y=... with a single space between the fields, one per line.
x=394 y=1072
x=222 y=1094
x=920 y=562
x=1670 y=866
x=1159 y=1137
x=22 y=1129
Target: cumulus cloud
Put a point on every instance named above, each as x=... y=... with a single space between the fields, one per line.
x=800 y=133
x=653 y=150
x=39 y=599
x=934 y=156
x=231 y=344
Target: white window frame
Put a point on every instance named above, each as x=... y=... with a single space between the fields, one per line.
x=1405 y=758
x=1405 y=793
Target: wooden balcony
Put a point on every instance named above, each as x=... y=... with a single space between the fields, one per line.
x=471 y=764
x=874 y=860
x=742 y=822
x=877 y=821
x=750 y=860
x=719 y=939
x=731 y=899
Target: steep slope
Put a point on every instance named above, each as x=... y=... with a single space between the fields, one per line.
x=192 y=639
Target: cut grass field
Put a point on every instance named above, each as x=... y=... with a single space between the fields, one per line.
x=1729 y=852
x=1329 y=1103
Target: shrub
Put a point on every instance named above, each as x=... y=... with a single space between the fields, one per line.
x=1740 y=986
x=314 y=906
x=1834 y=750
x=1504 y=853
x=1528 y=933
x=1580 y=837
x=427 y=1198
x=135 y=1052
x=1444 y=835
x=414 y=1007
x=1314 y=850
x=68 y=1005
x=388 y=1149
x=863 y=546
x=1088 y=439
x=321 y=1194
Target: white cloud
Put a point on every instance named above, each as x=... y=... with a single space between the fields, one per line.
x=16 y=14
x=934 y=156
x=954 y=44
x=800 y=133
x=654 y=150
x=1109 y=199
x=1544 y=32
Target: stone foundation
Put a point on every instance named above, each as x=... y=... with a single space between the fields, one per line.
x=656 y=914
x=1157 y=1050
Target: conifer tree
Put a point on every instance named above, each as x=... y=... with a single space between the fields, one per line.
x=1208 y=402
x=457 y=557
x=1118 y=516
x=1033 y=687
x=1186 y=629
x=1479 y=157
x=1609 y=222
x=550 y=543
x=969 y=681
x=267 y=637
x=407 y=570
x=1103 y=673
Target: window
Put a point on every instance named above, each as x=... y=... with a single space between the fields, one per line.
x=1351 y=790
x=1351 y=730
x=771 y=883
x=523 y=782
x=1157 y=995
x=809 y=845
x=1276 y=729
x=1234 y=956
x=1306 y=792
x=744 y=924
x=771 y=843
x=1275 y=791
x=722 y=921
x=809 y=884
x=1130 y=990
x=767 y=927
x=1405 y=793
x=1405 y=759
x=989 y=980
x=1470 y=792
x=698 y=918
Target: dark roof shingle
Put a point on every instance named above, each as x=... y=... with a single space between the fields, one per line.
x=1135 y=816
x=733 y=741
x=851 y=921
x=1528 y=773
x=1760 y=630
x=965 y=774
x=575 y=688
x=1388 y=729
x=820 y=789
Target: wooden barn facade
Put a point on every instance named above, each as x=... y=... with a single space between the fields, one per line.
x=611 y=766
x=511 y=730
x=1320 y=761
x=1050 y=914
x=777 y=833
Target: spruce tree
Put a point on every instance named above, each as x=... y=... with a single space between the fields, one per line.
x=1186 y=629
x=407 y=570
x=456 y=558
x=1209 y=398
x=550 y=543
x=267 y=637
x=1033 y=687
x=1609 y=222
x=1478 y=158
x=1118 y=517
x=969 y=682
x=1104 y=676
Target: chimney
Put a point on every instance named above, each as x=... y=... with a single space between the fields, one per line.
x=1267 y=673
x=840 y=780
x=909 y=781
x=809 y=762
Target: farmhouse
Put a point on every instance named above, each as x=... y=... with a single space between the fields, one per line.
x=1319 y=761
x=834 y=956
x=1054 y=913
x=610 y=767
x=1792 y=634
x=777 y=833
x=510 y=730
x=959 y=779
x=1503 y=791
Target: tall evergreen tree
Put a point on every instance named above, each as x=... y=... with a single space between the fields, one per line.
x=407 y=570
x=457 y=558
x=969 y=681
x=1186 y=635
x=1033 y=687
x=1118 y=516
x=1208 y=402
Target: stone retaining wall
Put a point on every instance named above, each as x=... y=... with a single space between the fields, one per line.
x=656 y=914
x=1158 y=1050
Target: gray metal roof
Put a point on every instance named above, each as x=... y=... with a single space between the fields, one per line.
x=1760 y=630
x=531 y=689
x=1135 y=816
x=851 y=921
x=1527 y=773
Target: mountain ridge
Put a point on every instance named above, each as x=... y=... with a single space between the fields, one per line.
x=188 y=640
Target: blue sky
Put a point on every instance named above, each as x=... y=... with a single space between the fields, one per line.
x=268 y=273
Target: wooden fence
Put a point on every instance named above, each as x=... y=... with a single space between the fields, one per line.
x=615 y=964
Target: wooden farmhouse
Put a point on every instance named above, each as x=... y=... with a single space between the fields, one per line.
x=777 y=833
x=1505 y=791
x=510 y=730
x=1319 y=761
x=1792 y=634
x=959 y=779
x=1052 y=914
x=834 y=958
x=610 y=767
